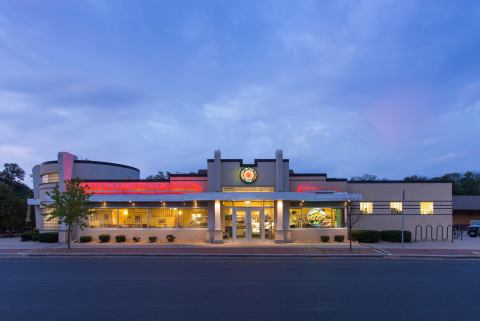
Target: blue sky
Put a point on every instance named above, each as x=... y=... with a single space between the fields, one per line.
x=390 y=88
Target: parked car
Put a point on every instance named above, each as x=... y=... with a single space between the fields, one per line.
x=474 y=230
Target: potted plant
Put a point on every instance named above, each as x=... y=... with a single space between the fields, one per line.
x=152 y=239
x=325 y=238
x=170 y=238
x=136 y=239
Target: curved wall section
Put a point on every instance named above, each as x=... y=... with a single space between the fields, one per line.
x=90 y=170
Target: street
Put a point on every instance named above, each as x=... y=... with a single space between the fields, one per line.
x=303 y=289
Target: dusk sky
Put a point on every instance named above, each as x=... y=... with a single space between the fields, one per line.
x=390 y=88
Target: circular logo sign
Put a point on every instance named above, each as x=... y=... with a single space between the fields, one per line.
x=316 y=217
x=248 y=175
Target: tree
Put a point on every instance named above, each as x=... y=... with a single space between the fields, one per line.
x=365 y=178
x=159 y=175
x=11 y=173
x=12 y=208
x=69 y=207
x=13 y=197
x=416 y=178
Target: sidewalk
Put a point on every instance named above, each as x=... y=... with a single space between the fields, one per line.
x=13 y=247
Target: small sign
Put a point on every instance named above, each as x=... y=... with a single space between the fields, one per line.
x=248 y=175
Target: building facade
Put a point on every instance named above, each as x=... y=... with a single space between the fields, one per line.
x=231 y=201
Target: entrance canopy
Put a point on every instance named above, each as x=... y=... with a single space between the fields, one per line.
x=229 y=196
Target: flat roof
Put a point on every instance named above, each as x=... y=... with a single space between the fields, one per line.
x=466 y=202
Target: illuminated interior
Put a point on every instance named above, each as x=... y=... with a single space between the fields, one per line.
x=426 y=208
x=169 y=217
x=316 y=217
x=366 y=207
x=396 y=207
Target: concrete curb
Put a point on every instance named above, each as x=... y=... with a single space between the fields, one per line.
x=226 y=255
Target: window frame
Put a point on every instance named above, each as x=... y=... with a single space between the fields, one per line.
x=430 y=212
x=394 y=210
x=365 y=212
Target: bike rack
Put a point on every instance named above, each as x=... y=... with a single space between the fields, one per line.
x=456 y=232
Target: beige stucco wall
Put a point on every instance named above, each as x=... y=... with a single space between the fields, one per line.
x=181 y=234
x=313 y=234
x=394 y=222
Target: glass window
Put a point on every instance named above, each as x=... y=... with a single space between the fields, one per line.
x=316 y=217
x=248 y=204
x=426 y=207
x=193 y=217
x=48 y=224
x=103 y=217
x=366 y=207
x=396 y=207
x=133 y=217
x=163 y=217
x=50 y=178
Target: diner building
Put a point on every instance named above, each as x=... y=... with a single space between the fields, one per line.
x=232 y=201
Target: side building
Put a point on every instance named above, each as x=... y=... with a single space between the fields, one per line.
x=231 y=201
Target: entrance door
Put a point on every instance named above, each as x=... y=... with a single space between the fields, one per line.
x=249 y=224
x=240 y=224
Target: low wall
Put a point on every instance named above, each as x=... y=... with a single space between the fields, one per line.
x=181 y=234
x=313 y=234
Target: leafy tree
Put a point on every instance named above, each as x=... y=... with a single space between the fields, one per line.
x=12 y=208
x=365 y=178
x=159 y=175
x=11 y=173
x=414 y=178
x=13 y=197
x=69 y=207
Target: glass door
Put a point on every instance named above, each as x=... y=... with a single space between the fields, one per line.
x=269 y=224
x=240 y=228
x=256 y=224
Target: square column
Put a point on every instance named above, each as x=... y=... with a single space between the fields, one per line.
x=279 y=230
x=217 y=236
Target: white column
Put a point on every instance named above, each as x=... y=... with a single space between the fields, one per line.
x=218 y=232
x=279 y=230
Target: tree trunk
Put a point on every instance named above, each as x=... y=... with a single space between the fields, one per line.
x=68 y=236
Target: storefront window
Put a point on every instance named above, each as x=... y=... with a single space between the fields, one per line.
x=193 y=217
x=316 y=217
x=163 y=217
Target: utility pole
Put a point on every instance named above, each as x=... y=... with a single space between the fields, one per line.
x=403 y=206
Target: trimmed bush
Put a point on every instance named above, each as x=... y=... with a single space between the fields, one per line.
x=325 y=238
x=396 y=236
x=104 y=238
x=50 y=237
x=136 y=239
x=366 y=236
x=28 y=235
x=85 y=239
x=170 y=237
x=35 y=237
x=120 y=238
x=339 y=238
x=152 y=239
